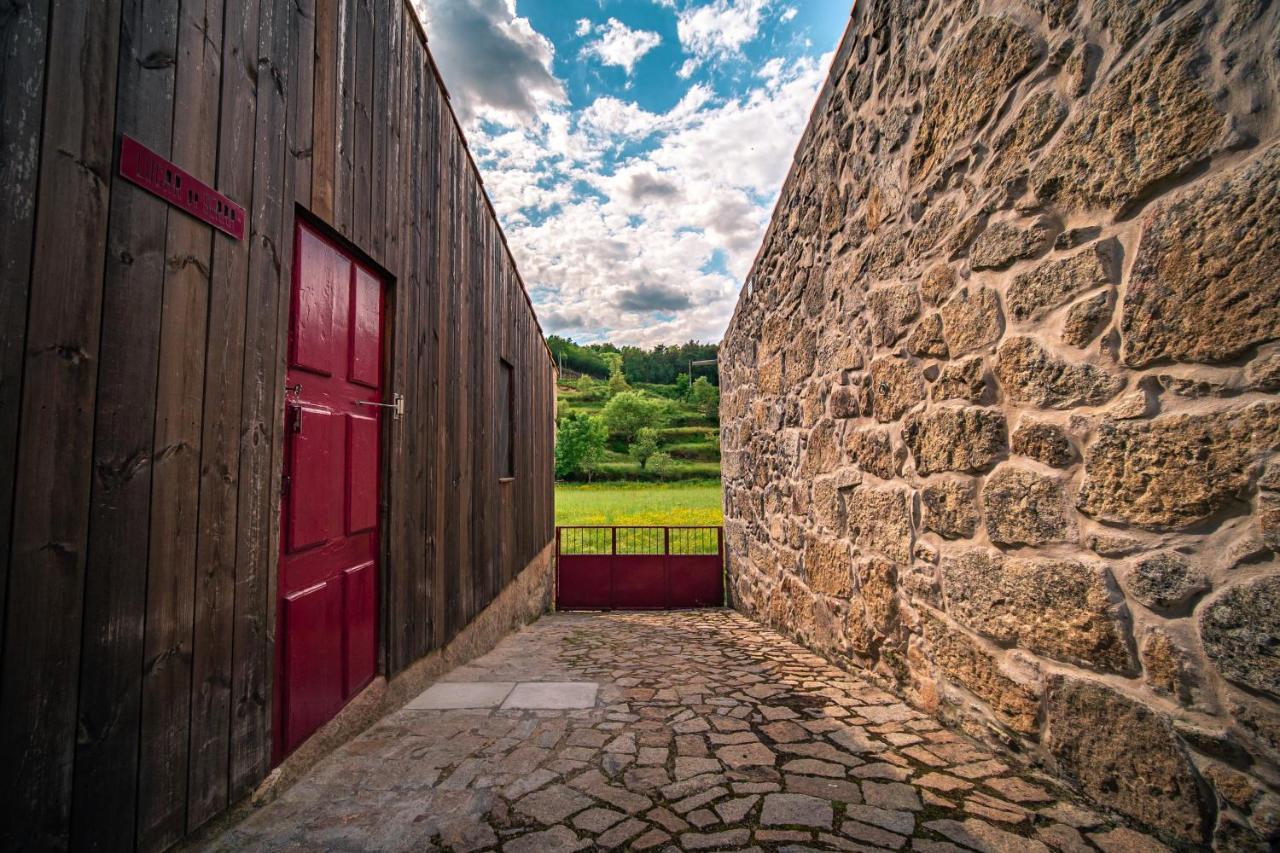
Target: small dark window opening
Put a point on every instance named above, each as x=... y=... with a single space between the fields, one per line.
x=506 y=420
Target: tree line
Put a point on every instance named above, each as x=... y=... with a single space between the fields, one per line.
x=657 y=366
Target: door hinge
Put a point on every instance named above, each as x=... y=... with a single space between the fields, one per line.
x=285 y=482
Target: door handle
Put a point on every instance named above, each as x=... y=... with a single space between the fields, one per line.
x=396 y=404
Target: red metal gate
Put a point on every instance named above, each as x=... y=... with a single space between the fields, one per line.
x=639 y=568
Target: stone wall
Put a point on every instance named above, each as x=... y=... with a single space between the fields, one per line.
x=1000 y=413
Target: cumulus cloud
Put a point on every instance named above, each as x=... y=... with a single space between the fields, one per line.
x=650 y=186
x=492 y=60
x=650 y=246
x=620 y=45
x=627 y=223
x=720 y=28
x=646 y=298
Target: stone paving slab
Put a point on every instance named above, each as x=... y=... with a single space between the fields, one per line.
x=552 y=695
x=705 y=732
x=450 y=695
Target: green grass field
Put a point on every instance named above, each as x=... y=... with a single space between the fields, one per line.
x=684 y=503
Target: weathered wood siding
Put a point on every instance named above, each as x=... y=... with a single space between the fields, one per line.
x=141 y=386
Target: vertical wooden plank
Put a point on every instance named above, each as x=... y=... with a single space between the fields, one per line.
x=417 y=454
x=38 y=685
x=106 y=763
x=324 y=149
x=426 y=587
x=449 y=353
x=284 y=286
x=385 y=13
x=363 y=71
x=459 y=445
x=442 y=286
x=397 y=626
x=166 y=697
x=209 y=762
x=420 y=184
x=389 y=119
x=344 y=114
x=428 y=365
x=270 y=253
x=464 y=441
x=391 y=600
x=23 y=38
x=302 y=62
x=486 y=458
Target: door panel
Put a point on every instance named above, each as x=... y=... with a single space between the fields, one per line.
x=362 y=479
x=315 y=471
x=314 y=339
x=361 y=635
x=366 y=318
x=327 y=609
x=313 y=663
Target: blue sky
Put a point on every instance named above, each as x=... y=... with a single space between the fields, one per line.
x=634 y=148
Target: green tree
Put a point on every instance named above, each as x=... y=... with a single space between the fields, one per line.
x=630 y=411
x=588 y=388
x=617 y=380
x=579 y=358
x=645 y=446
x=704 y=397
x=682 y=385
x=661 y=463
x=579 y=445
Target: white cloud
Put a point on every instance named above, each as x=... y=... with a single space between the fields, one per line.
x=788 y=14
x=620 y=45
x=720 y=28
x=626 y=223
x=655 y=248
x=493 y=61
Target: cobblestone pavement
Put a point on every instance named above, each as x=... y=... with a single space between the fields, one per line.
x=709 y=733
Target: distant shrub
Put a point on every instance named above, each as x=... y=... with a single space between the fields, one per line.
x=580 y=442
x=661 y=464
x=705 y=397
x=631 y=411
x=644 y=447
x=617 y=379
x=591 y=389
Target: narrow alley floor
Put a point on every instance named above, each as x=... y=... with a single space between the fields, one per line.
x=707 y=732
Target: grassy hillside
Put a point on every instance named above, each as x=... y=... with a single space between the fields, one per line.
x=690 y=437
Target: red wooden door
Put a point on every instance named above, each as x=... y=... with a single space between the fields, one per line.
x=327 y=604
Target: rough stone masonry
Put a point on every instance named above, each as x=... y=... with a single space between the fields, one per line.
x=1000 y=417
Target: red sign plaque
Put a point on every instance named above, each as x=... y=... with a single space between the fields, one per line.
x=157 y=175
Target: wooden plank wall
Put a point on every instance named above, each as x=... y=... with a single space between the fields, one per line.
x=141 y=387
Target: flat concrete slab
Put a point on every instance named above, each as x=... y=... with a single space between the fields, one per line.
x=455 y=695
x=552 y=695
